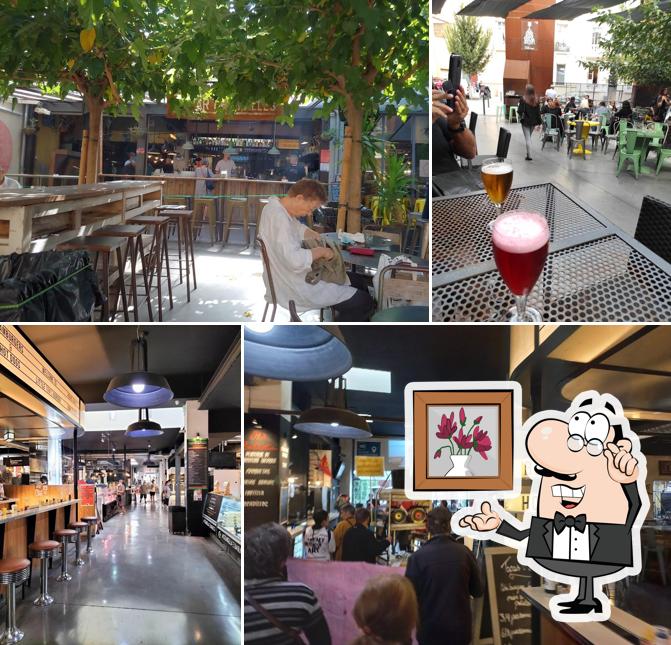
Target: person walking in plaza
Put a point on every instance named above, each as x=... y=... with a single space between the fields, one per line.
x=121 y=496
x=143 y=491
x=165 y=495
x=530 y=116
x=346 y=522
x=152 y=491
x=445 y=576
x=359 y=543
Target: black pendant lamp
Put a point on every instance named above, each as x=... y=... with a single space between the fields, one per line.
x=295 y=352
x=148 y=462
x=143 y=427
x=333 y=419
x=138 y=388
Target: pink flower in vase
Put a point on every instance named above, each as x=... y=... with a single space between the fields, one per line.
x=462 y=417
x=463 y=440
x=437 y=453
x=447 y=427
x=482 y=442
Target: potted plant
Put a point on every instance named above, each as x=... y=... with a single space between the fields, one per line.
x=389 y=205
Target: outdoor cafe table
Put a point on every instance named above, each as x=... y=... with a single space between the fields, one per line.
x=370 y=262
x=594 y=271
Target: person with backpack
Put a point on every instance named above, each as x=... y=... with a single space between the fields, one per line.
x=319 y=543
x=530 y=116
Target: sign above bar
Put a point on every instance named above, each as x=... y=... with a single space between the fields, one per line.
x=207 y=111
x=23 y=361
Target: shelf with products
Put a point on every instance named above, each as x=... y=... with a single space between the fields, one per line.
x=396 y=514
x=221 y=514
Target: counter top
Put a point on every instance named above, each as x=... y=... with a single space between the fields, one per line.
x=36 y=511
x=612 y=631
x=8 y=500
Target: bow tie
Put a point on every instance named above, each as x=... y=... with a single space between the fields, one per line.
x=579 y=522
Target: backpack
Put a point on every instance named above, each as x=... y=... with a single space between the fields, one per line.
x=209 y=185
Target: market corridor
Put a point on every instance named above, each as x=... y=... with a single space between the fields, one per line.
x=141 y=585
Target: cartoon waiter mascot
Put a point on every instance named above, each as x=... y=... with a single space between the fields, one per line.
x=586 y=505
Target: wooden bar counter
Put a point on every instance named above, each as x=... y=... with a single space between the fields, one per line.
x=38 y=219
x=34 y=518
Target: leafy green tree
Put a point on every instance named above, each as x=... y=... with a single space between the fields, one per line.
x=637 y=52
x=466 y=37
x=114 y=52
x=353 y=55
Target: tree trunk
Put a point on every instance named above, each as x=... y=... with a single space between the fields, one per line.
x=82 y=157
x=92 y=153
x=355 y=120
x=344 y=179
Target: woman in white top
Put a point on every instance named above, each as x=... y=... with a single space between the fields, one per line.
x=7 y=182
x=318 y=541
x=289 y=262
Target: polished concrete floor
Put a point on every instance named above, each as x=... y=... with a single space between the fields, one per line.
x=141 y=585
x=593 y=180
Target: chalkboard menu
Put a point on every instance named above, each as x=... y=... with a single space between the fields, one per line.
x=196 y=462
x=212 y=507
x=510 y=610
x=262 y=485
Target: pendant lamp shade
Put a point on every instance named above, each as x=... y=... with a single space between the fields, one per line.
x=230 y=150
x=274 y=151
x=333 y=422
x=144 y=428
x=296 y=353
x=139 y=388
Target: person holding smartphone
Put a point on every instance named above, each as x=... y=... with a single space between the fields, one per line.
x=450 y=135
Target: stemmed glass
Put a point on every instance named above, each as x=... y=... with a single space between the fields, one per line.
x=520 y=241
x=497 y=178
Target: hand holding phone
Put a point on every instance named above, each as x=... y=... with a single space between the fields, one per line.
x=451 y=85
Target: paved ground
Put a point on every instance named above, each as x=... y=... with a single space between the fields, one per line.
x=592 y=180
x=141 y=585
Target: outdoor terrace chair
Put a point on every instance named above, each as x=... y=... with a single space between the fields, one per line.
x=473 y=121
x=629 y=152
x=577 y=138
x=398 y=283
x=595 y=134
x=502 y=147
x=551 y=130
x=654 y=226
x=611 y=137
x=660 y=131
x=268 y=281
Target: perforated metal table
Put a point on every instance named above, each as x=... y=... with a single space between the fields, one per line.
x=595 y=272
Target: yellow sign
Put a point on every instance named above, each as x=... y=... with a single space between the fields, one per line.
x=23 y=361
x=288 y=144
x=369 y=466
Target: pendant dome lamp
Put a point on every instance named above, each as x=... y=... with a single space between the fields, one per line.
x=333 y=419
x=138 y=388
x=148 y=463
x=143 y=428
x=295 y=352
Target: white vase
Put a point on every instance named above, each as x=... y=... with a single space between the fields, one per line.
x=459 y=466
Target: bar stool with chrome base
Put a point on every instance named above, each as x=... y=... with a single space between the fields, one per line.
x=13 y=571
x=92 y=521
x=78 y=526
x=43 y=550
x=64 y=536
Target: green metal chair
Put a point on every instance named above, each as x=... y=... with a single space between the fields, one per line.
x=628 y=152
x=551 y=130
x=621 y=134
x=512 y=112
x=659 y=132
x=662 y=154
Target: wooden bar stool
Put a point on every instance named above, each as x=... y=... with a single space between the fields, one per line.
x=104 y=247
x=64 y=536
x=241 y=203
x=205 y=211
x=258 y=204
x=13 y=571
x=158 y=255
x=182 y=219
x=78 y=526
x=91 y=521
x=134 y=251
x=43 y=551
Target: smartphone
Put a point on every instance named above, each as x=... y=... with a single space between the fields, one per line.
x=451 y=85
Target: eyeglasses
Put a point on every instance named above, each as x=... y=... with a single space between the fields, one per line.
x=577 y=442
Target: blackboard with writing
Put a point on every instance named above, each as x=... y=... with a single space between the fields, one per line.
x=510 y=611
x=262 y=486
x=196 y=465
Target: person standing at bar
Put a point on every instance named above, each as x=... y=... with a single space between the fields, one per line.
x=295 y=170
x=346 y=522
x=359 y=543
x=445 y=576
x=225 y=166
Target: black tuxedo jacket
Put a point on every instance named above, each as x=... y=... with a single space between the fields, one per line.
x=608 y=543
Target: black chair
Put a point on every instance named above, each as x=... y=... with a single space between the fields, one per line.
x=502 y=147
x=473 y=121
x=268 y=280
x=654 y=226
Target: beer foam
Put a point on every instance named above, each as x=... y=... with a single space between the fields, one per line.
x=497 y=168
x=520 y=232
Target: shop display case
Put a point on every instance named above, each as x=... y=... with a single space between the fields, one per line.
x=221 y=514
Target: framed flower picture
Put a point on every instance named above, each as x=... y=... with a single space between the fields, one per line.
x=460 y=437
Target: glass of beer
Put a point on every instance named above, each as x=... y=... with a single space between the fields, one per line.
x=497 y=177
x=520 y=241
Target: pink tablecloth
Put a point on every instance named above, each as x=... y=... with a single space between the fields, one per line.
x=337 y=586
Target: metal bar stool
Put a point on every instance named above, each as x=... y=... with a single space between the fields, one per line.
x=78 y=526
x=13 y=571
x=64 y=536
x=43 y=550
x=239 y=202
x=91 y=521
x=104 y=247
x=158 y=254
x=134 y=251
x=182 y=219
